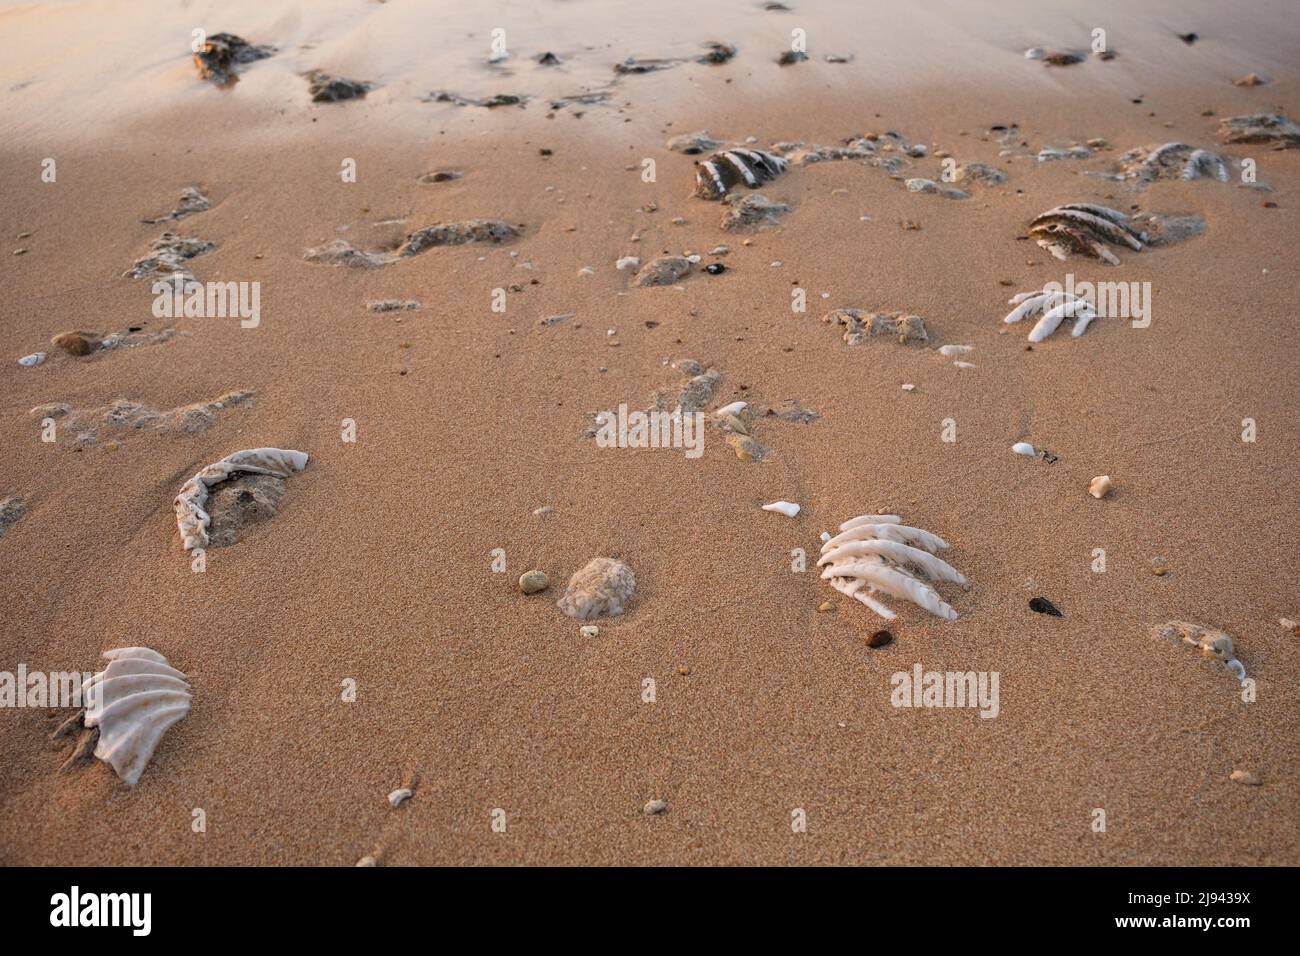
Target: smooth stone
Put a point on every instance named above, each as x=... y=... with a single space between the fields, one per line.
x=530 y=582
x=656 y=807
x=589 y=630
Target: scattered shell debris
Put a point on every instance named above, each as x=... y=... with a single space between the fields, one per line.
x=877 y=553
x=1270 y=128
x=1147 y=164
x=1213 y=644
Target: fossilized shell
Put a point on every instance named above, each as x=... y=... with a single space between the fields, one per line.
x=193 y=520
x=133 y=701
x=878 y=554
x=602 y=586
x=715 y=176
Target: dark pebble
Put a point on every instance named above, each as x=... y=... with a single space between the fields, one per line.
x=715 y=268
x=880 y=639
x=1044 y=606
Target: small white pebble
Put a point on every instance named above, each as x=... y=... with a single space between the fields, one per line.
x=948 y=351
x=777 y=264
x=30 y=361
x=826 y=536
x=909 y=387
x=543 y=510
x=787 y=508
x=399 y=796
x=964 y=364
x=1024 y=448
x=367 y=861
x=1287 y=623
x=656 y=807
x=735 y=408
x=589 y=630
x=628 y=262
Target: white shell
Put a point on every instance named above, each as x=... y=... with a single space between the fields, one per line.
x=399 y=796
x=1100 y=486
x=1024 y=448
x=948 y=351
x=876 y=554
x=30 y=361
x=628 y=262
x=133 y=701
x=735 y=408
x=193 y=521
x=787 y=508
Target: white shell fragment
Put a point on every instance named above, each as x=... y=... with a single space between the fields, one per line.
x=602 y=586
x=1100 y=486
x=715 y=177
x=133 y=701
x=1213 y=645
x=1054 y=306
x=31 y=361
x=735 y=408
x=1024 y=448
x=787 y=508
x=949 y=351
x=193 y=520
x=878 y=554
x=399 y=796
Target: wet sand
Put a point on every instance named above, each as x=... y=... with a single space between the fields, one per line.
x=377 y=567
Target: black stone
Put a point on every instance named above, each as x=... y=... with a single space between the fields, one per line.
x=1044 y=606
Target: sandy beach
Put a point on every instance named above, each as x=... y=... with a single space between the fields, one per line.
x=363 y=639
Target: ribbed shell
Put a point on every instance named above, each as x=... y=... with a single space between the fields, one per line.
x=133 y=701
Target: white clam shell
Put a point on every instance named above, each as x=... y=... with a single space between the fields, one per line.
x=193 y=520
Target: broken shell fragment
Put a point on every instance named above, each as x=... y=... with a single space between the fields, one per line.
x=877 y=553
x=399 y=796
x=1024 y=448
x=133 y=701
x=716 y=176
x=787 y=508
x=1100 y=486
x=193 y=520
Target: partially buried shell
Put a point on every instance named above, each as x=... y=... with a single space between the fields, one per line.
x=715 y=176
x=133 y=701
x=1084 y=228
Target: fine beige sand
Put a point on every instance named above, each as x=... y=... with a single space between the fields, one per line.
x=378 y=566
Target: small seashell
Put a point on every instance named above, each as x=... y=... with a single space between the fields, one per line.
x=734 y=408
x=825 y=606
x=399 y=796
x=589 y=630
x=717 y=175
x=909 y=387
x=31 y=361
x=1244 y=777
x=1100 y=486
x=656 y=807
x=1024 y=448
x=367 y=860
x=787 y=508
x=964 y=364
x=948 y=351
